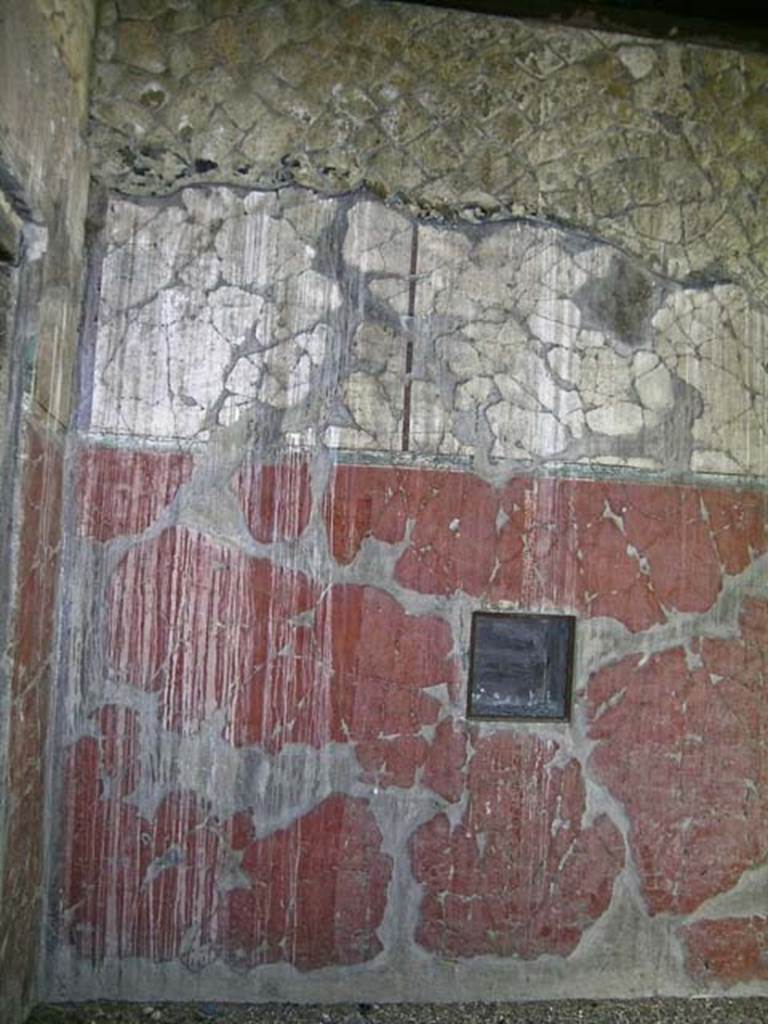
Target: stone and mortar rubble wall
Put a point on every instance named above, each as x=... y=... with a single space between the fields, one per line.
x=657 y=147
x=318 y=430
x=270 y=786
x=44 y=66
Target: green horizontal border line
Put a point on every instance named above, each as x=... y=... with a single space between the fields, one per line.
x=501 y=469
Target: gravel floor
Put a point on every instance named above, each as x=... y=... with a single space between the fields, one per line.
x=645 y=1011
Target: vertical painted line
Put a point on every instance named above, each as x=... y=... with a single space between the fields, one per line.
x=409 y=344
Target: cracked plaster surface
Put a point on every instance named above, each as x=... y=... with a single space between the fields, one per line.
x=656 y=146
x=361 y=329
x=221 y=809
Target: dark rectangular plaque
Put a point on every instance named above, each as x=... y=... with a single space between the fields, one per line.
x=520 y=665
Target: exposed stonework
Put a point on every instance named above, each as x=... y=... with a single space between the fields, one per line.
x=656 y=146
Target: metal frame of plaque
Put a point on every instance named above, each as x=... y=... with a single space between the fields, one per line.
x=520 y=666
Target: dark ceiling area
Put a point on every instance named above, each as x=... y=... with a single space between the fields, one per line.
x=737 y=24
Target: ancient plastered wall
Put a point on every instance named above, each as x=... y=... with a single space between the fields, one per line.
x=318 y=431
x=44 y=64
x=316 y=436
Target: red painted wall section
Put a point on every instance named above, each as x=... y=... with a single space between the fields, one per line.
x=312 y=893
x=519 y=875
x=21 y=888
x=729 y=950
x=276 y=499
x=316 y=894
x=210 y=628
x=682 y=746
x=277 y=656
x=123 y=492
x=627 y=551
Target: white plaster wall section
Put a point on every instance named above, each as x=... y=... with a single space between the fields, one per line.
x=530 y=344
x=441 y=254
x=717 y=342
x=278 y=238
x=136 y=317
x=605 y=369
x=489 y=386
x=540 y=348
x=209 y=305
x=376 y=254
